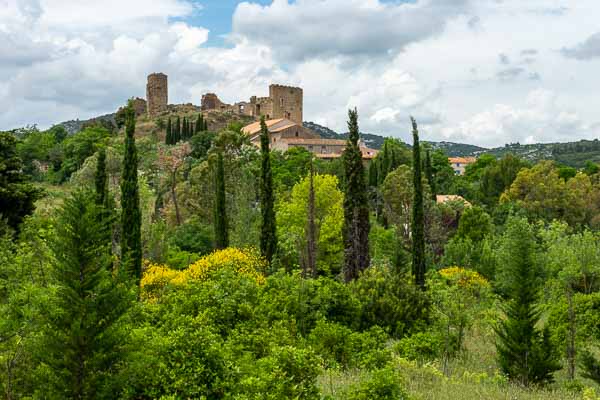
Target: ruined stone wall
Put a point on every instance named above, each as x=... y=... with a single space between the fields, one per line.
x=211 y=101
x=286 y=102
x=139 y=106
x=262 y=106
x=157 y=93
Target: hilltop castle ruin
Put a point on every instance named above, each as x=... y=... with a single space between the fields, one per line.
x=282 y=102
x=282 y=110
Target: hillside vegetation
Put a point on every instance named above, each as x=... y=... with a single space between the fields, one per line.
x=170 y=258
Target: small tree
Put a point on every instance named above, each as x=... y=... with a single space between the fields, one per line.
x=418 y=214
x=356 y=207
x=221 y=224
x=268 y=237
x=524 y=352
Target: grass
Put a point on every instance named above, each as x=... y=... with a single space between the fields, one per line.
x=472 y=376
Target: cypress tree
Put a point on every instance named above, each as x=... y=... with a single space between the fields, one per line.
x=177 y=131
x=418 y=214
x=169 y=135
x=524 y=352
x=184 y=129
x=268 y=238
x=221 y=224
x=205 y=128
x=131 y=217
x=199 y=124
x=101 y=179
x=311 y=228
x=81 y=341
x=429 y=174
x=356 y=208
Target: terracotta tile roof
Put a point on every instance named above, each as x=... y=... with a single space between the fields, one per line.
x=443 y=198
x=367 y=154
x=273 y=125
x=462 y=160
x=329 y=142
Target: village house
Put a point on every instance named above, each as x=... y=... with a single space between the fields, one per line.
x=459 y=164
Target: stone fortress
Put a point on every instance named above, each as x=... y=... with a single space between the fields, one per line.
x=282 y=109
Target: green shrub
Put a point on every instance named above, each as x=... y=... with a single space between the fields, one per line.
x=383 y=384
x=339 y=345
x=389 y=301
x=422 y=346
x=287 y=373
x=305 y=301
x=194 y=237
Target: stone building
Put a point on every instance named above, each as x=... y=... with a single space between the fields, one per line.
x=285 y=134
x=157 y=93
x=283 y=102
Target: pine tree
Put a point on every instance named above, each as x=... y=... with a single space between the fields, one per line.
x=356 y=208
x=221 y=224
x=101 y=179
x=82 y=341
x=131 y=217
x=268 y=238
x=418 y=214
x=429 y=174
x=169 y=135
x=310 y=266
x=524 y=352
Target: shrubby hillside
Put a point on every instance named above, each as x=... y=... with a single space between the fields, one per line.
x=170 y=258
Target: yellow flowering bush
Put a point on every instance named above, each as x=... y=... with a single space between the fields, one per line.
x=464 y=277
x=246 y=262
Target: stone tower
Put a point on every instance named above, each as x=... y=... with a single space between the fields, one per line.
x=157 y=93
x=287 y=102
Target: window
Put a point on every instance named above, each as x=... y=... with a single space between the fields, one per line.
x=323 y=148
x=274 y=140
x=296 y=133
x=281 y=101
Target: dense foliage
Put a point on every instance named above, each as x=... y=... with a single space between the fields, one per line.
x=278 y=275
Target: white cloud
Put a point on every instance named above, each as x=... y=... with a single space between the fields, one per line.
x=471 y=71
x=541 y=119
x=306 y=29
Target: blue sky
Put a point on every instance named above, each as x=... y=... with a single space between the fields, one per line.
x=485 y=72
x=215 y=15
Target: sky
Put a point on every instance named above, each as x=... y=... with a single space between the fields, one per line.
x=485 y=72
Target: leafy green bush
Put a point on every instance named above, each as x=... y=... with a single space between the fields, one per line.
x=305 y=301
x=422 y=346
x=389 y=301
x=383 y=384
x=287 y=373
x=339 y=345
x=193 y=237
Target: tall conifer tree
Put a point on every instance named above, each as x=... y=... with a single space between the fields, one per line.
x=169 y=135
x=418 y=214
x=268 y=237
x=199 y=124
x=221 y=223
x=101 y=179
x=184 y=129
x=311 y=228
x=177 y=131
x=82 y=342
x=356 y=208
x=429 y=174
x=525 y=353
x=131 y=216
